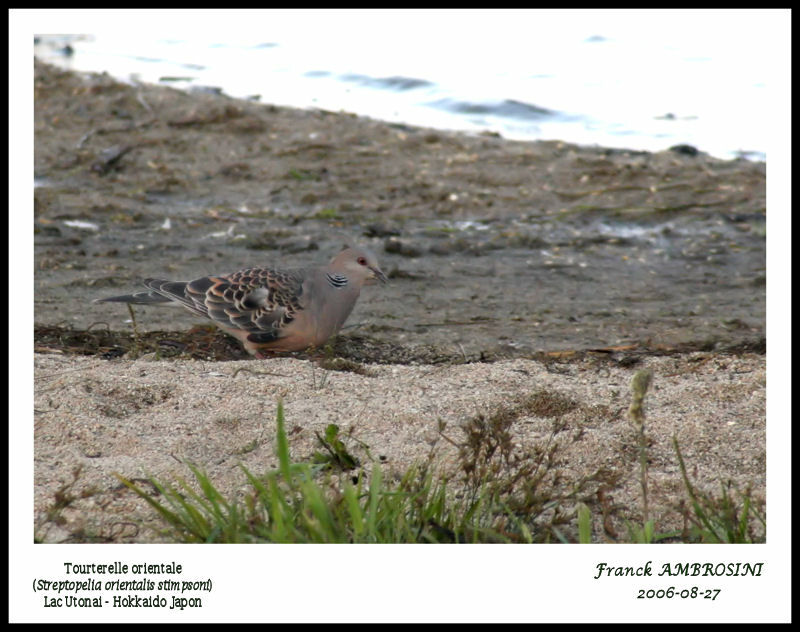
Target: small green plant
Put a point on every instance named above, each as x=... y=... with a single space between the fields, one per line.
x=639 y=385
x=646 y=533
x=336 y=455
x=299 y=174
x=328 y=213
x=719 y=520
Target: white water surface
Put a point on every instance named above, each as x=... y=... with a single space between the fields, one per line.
x=643 y=80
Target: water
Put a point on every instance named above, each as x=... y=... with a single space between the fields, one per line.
x=644 y=80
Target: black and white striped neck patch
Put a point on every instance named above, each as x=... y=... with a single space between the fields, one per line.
x=336 y=280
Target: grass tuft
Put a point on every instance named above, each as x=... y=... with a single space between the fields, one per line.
x=306 y=502
x=501 y=492
x=723 y=519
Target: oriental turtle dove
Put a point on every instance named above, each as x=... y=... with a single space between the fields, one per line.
x=271 y=310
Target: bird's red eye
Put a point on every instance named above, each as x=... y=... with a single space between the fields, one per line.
x=362 y=261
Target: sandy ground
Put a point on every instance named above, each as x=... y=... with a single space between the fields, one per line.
x=142 y=418
x=511 y=263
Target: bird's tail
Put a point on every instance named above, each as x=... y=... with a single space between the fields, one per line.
x=138 y=298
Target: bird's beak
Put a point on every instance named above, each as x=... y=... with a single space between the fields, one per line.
x=377 y=274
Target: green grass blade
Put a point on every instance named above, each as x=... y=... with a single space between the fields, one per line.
x=584 y=524
x=374 y=490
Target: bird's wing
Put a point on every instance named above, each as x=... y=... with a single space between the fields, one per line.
x=259 y=301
